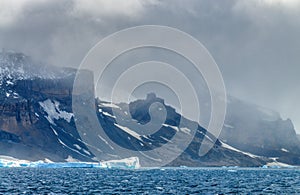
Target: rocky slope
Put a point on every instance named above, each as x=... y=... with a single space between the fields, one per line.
x=37 y=122
x=27 y=101
x=220 y=155
x=260 y=131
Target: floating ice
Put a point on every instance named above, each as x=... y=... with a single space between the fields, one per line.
x=127 y=163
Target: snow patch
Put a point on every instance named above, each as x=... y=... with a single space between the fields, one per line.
x=109 y=115
x=186 y=130
x=54 y=131
x=85 y=151
x=204 y=134
x=65 y=145
x=171 y=126
x=284 y=150
x=15 y=95
x=105 y=142
x=165 y=139
x=111 y=105
x=9 y=83
x=129 y=131
x=237 y=150
x=77 y=146
x=228 y=126
x=62 y=143
x=53 y=111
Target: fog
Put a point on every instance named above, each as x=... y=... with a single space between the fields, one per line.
x=255 y=43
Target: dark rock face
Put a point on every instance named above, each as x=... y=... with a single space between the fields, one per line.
x=29 y=130
x=37 y=122
x=25 y=118
x=260 y=131
x=217 y=156
x=9 y=137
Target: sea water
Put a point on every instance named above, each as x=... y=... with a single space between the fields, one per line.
x=149 y=181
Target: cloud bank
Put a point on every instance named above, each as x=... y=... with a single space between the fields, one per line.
x=256 y=43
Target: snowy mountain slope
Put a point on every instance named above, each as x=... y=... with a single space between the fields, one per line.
x=35 y=111
x=260 y=131
x=17 y=66
x=37 y=122
x=128 y=135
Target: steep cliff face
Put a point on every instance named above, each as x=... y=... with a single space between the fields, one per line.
x=260 y=131
x=36 y=118
x=37 y=122
x=175 y=124
x=41 y=118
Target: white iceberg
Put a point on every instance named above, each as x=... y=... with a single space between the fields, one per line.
x=127 y=163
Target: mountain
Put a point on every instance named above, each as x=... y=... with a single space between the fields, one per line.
x=37 y=122
x=260 y=131
x=27 y=97
x=122 y=134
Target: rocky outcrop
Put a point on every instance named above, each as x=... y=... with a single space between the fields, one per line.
x=219 y=155
x=9 y=137
x=260 y=131
x=27 y=127
x=37 y=122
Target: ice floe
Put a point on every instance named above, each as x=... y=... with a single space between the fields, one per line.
x=127 y=163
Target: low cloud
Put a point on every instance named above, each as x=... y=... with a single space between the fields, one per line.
x=256 y=43
x=97 y=9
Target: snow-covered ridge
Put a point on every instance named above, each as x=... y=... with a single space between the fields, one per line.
x=237 y=150
x=17 y=66
x=127 y=163
x=129 y=131
x=273 y=164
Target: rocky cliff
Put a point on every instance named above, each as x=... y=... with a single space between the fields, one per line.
x=37 y=122
x=260 y=131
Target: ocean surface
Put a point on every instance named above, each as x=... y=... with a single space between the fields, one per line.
x=152 y=181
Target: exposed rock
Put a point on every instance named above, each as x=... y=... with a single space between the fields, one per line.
x=37 y=122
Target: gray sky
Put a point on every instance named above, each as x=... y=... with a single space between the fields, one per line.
x=255 y=43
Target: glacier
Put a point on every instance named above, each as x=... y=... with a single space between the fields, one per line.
x=127 y=163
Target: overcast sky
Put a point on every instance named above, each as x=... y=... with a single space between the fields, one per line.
x=256 y=43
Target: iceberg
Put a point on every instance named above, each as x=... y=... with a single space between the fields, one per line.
x=127 y=163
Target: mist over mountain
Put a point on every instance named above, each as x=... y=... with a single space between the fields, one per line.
x=37 y=123
x=255 y=43
x=260 y=131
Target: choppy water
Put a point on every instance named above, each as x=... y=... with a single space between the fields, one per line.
x=182 y=181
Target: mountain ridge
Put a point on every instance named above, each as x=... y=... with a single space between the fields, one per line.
x=37 y=122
